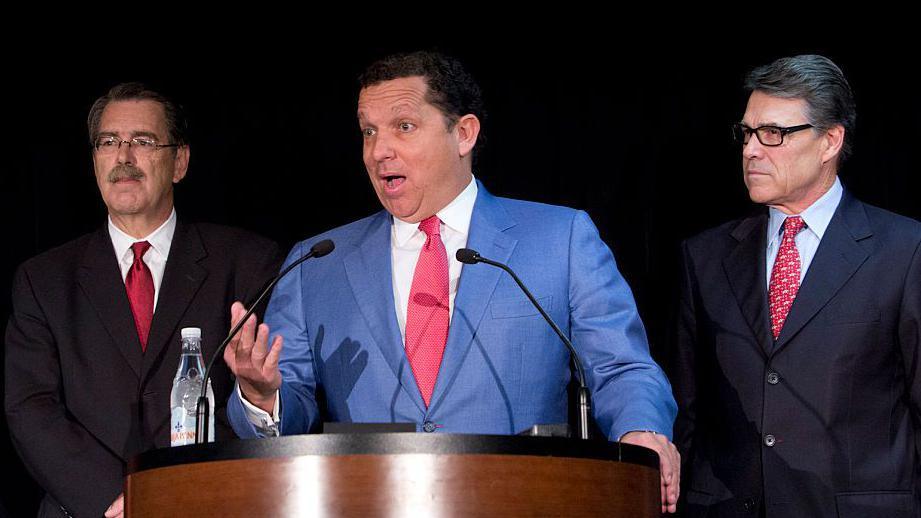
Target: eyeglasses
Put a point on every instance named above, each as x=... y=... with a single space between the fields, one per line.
x=109 y=145
x=770 y=136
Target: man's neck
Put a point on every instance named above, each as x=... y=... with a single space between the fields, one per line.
x=140 y=225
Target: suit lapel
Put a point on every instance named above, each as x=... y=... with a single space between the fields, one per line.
x=476 y=286
x=370 y=275
x=839 y=255
x=100 y=279
x=182 y=279
x=745 y=270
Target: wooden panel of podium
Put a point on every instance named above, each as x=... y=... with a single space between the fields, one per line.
x=396 y=474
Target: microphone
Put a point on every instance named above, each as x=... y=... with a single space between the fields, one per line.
x=469 y=256
x=202 y=409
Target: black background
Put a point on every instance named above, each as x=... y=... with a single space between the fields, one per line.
x=633 y=130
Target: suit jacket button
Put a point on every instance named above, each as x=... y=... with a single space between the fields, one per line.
x=428 y=426
x=749 y=505
x=769 y=440
x=773 y=378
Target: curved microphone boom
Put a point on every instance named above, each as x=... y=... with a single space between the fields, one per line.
x=469 y=256
x=202 y=409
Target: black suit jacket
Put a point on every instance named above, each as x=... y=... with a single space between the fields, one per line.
x=823 y=421
x=81 y=397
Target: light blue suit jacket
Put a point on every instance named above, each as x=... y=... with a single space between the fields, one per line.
x=503 y=369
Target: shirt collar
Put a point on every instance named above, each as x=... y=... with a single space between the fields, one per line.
x=817 y=216
x=456 y=216
x=160 y=239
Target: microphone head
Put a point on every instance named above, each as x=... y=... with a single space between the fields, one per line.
x=467 y=256
x=322 y=248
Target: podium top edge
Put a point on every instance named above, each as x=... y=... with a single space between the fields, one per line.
x=394 y=444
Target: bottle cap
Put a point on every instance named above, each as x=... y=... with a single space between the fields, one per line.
x=191 y=332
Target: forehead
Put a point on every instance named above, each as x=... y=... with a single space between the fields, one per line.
x=133 y=117
x=396 y=95
x=764 y=109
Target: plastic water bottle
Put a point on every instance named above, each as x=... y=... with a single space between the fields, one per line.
x=187 y=389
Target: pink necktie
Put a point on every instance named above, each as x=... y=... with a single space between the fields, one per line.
x=427 y=313
x=140 y=288
x=785 y=275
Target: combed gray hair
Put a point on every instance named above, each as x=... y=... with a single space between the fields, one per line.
x=820 y=83
x=176 y=123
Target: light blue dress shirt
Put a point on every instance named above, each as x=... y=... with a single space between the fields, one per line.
x=817 y=216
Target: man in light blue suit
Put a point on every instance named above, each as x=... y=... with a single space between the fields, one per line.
x=345 y=327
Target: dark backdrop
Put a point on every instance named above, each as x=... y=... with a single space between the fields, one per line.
x=637 y=137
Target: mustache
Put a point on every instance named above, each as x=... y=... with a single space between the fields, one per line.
x=125 y=172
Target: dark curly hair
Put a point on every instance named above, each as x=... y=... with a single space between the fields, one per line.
x=451 y=88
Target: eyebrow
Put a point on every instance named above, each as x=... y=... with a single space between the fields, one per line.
x=133 y=134
x=395 y=111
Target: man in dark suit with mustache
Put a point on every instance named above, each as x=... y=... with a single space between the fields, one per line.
x=93 y=343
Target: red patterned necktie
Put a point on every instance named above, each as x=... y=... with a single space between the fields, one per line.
x=427 y=313
x=785 y=274
x=140 y=288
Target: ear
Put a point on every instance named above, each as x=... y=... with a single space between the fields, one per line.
x=181 y=163
x=467 y=130
x=834 y=141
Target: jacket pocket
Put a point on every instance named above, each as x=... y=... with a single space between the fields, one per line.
x=519 y=307
x=852 y=314
x=876 y=504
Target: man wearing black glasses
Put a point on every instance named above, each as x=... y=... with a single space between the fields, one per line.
x=93 y=341
x=796 y=368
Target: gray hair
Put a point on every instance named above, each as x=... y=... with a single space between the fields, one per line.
x=820 y=83
x=176 y=123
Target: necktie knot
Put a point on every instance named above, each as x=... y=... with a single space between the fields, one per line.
x=431 y=226
x=793 y=225
x=140 y=248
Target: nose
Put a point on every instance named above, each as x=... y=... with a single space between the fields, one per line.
x=379 y=147
x=753 y=148
x=125 y=152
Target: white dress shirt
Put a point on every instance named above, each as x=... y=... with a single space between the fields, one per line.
x=406 y=241
x=155 y=257
x=816 y=216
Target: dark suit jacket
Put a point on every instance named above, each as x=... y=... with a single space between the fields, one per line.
x=823 y=421
x=81 y=398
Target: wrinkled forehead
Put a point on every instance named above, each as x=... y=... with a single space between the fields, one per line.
x=134 y=117
x=769 y=110
x=406 y=94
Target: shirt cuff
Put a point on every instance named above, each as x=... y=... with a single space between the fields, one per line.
x=267 y=424
x=621 y=438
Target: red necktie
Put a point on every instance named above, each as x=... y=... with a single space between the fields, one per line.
x=785 y=274
x=427 y=313
x=140 y=288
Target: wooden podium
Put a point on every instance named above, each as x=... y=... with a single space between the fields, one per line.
x=395 y=474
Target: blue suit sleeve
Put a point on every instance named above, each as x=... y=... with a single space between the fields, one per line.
x=629 y=390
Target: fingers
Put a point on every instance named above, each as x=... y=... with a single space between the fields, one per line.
x=252 y=360
x=669 y=465
x=270 y=367
x=670 y=461
x=116 y=510
x=230 y=352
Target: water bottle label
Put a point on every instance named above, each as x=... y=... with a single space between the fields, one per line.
x=182 y=429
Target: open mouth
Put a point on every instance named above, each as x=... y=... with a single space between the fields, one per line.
x=393 y=181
